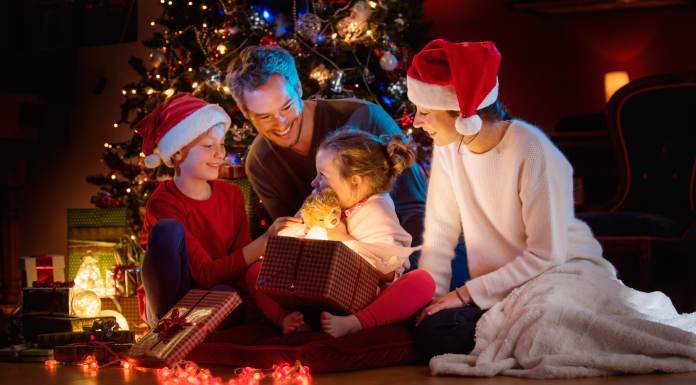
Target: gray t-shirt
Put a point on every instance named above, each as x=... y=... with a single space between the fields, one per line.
x=282 y=178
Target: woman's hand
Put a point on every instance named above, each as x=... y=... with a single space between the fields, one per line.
x=448 y=301
x=339 y=233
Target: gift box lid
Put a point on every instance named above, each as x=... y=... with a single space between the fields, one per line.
x=48 y=261
x=116 y=217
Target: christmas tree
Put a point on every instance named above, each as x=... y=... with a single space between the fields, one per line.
x=342 y=49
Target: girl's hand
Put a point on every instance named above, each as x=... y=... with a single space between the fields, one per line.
x=388 y=277
x=448 y=301
x=339 y=233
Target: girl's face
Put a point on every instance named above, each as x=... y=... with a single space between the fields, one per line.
x=438 y=124
x=328 y=175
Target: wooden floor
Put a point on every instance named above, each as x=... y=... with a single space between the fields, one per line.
x=37 y=374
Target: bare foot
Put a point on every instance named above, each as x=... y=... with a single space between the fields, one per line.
x=339 y=326
x=294 y=322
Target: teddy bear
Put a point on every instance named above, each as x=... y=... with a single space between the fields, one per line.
x=321 y=209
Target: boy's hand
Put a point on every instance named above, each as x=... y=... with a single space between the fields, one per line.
x=339 y=233
x=281 y=223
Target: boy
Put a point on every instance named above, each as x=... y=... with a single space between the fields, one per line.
x=195 y=233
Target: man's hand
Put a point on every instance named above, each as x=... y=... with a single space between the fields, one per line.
x=448 y=301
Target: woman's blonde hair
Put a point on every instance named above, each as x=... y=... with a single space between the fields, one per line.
x=378 y=159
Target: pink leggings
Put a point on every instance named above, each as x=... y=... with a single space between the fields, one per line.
x=399 y=301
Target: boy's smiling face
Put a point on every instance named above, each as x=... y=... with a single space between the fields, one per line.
x=201 y=158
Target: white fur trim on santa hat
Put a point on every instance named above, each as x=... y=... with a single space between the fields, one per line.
x=437 y=97
x=468 y=126
x=189 y=129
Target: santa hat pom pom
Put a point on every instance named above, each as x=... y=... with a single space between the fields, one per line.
x=468 y=126
x=153 y=160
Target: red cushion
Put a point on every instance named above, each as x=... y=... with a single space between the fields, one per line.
x=262 y=346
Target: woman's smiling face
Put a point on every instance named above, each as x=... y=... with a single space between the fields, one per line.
x=438 y=124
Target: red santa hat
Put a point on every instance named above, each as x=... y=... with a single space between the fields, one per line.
x=455 y=77
x=176 y=123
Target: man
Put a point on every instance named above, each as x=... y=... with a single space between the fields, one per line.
x=281 y=162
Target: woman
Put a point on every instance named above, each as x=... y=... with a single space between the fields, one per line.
x=500 y=181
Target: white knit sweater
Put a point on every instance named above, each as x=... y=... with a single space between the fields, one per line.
x=514 y=205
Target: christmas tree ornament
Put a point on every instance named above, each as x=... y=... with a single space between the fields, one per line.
x=256 y=20
x=86 y=304
x=400 y=23
x=212 y=76
x=88 y=277
x=338 y=77
x=368 y=76
x=222 y=49
x=157 y=57
x=308 y=26
x=388 y=61
x=291 y=44
x=321 y=74
x=398 y=89
x=105 y=201
x=267 y=40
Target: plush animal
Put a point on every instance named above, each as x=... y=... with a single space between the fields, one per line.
x=321 y=209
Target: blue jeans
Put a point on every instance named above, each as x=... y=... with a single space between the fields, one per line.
x=448 y=331
x=166 y=275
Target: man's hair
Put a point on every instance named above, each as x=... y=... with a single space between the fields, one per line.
x=255 y=65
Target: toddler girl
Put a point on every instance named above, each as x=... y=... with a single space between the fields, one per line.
x=362 y=168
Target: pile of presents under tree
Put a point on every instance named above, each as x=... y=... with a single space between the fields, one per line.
x=91 y=312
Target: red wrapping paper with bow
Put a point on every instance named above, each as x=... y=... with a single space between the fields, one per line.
x=184 y=327
x=102 y=351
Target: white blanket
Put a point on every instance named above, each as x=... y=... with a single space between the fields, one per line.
x=576 y=320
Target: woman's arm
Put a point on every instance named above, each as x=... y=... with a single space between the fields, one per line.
x=443 y=225
x=545 y=191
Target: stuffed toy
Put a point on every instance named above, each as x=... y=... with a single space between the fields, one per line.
x=321 y=209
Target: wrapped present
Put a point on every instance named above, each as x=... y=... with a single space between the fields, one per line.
x=311 y=272
x=25 y=353
x=128 y=307
x=56 y=339
x=53 y=299
x=101 y=351
x=110 y=331
x=105 y=201
x=34 y=325
x=249 y=196
x=123 y=280
x=232 y=171
x=109 y=246
x=42 y=268
x=184 y=327
x=116 y=217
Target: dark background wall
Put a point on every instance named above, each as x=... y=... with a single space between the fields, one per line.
x=553 y=67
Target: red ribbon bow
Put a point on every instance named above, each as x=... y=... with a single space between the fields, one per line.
x=119 y=270
x=168 y=327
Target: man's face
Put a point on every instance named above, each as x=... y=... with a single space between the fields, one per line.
x=274 y=109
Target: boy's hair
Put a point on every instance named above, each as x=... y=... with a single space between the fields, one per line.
x=255 y=65
x=378 y=159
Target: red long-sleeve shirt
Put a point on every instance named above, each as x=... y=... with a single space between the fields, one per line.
x=216 y=230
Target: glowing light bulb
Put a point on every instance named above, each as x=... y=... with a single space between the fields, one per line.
x=106 y=144
x=142 y=154
x=162 y=1
x=190 y=69
x=86 y=303
x=115 y=124
x=190 y=3
x=194 y=85
x=123 y=91
x=169 y=92
x=133 y=237
x=222 y=49
x=226 y=89
x=127 y=190
x=205 y=25
x=110 y=146
x=170 y=3
x=334 y=35
x=152 y=23
x=149 y=91
x=410 y=131
x=113 y=176
x=369 y=32
x=133 y=91
x=372 y=4
x=157 y=76
x=205 y=7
